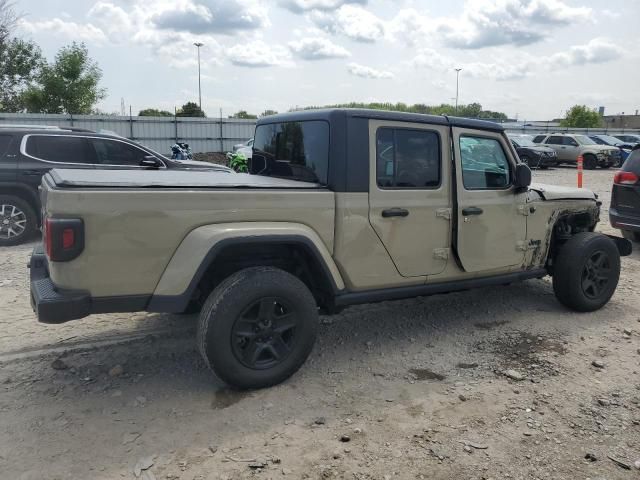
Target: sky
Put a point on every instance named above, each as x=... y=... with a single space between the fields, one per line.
x=532 y=59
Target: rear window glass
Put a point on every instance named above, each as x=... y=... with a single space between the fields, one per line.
x=632 y=164
x=5 y=140
x=293 y=150
x=58 y=148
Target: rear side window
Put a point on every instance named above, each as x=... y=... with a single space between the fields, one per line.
x=113 y=152
x=555 y=140
x=5 y=140
x=293 y=150
x=632 y=164
x=407 y=158
x=539 y=138
x=58 y=148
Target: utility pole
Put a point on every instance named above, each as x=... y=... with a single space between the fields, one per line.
x=457 y=86
x=198 y=45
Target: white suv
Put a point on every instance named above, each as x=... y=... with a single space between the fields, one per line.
x=570 y=146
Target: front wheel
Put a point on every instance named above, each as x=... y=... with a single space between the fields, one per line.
x=586 y=272
x=590 y=162
x=257 y=327
x=17 y=221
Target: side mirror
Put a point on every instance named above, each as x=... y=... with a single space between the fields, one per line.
x=523 y=176
x=150 y=162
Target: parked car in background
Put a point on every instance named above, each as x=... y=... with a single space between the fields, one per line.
x=27 y=153
x=570 y=146
x=245 y=148
x=625 y=148
x=534 y=155
x=629 y=138
x=624 y=212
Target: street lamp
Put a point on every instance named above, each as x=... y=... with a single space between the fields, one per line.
x=198 y=45
x=457 y=86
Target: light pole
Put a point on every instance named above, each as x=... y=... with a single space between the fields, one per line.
x=198 y=45
x=457 y=86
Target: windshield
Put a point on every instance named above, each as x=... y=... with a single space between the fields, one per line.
x=293 y=150
x=609 y=140
x=584 y=140
x=524 y=142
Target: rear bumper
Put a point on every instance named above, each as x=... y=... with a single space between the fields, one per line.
x=55 y=305
x=624 y=221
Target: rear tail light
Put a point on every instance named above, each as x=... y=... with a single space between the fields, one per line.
x=63 y=238
x=625 y=178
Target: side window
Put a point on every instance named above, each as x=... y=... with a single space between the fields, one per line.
x=554 y=140
x=569 y=141
x=5 y=140
x=407 y=158
x=484 y=164
x=58 y=148
x=112 y=152
x=539 y=139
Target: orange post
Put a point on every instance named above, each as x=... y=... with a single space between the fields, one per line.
x=580 y=170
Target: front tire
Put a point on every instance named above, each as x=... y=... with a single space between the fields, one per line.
x=586 y=272
x=257 y=327
x=17 y=221
x=590 y=162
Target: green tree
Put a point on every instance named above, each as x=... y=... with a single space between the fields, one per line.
x=581 y=116
x=268 y=113
x=20 y=65
x=69 y=85
x=154 y=112
x=8 y=19
x=190 y=109
x=244 y=115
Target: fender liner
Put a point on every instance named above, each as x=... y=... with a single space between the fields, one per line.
x=179 y=303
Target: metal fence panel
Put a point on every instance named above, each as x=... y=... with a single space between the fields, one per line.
x=157 y=133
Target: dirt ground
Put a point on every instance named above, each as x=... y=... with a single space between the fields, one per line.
x=411 y=389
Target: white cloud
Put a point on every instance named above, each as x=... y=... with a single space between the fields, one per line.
x=352 y=21
x=487 y=23
x=72 y=30
x=258 y=54
x=367 y=72
x=300 y=6
x=112 y=20
x=598 y=50
x=211 y=16
x=317 y=49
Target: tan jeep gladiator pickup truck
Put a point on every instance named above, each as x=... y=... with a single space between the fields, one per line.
x=340 y=207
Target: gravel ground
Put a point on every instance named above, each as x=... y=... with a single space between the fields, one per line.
x=409 y=389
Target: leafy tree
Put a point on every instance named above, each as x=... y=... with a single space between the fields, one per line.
x=244 y=115
x=267 y=113
x=154 y=112
x=69 y=85
x=8 y=19
x=581 y=116
x=190 y=109
x=20 y=65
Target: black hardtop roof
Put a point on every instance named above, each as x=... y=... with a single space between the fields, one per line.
x=330 y=113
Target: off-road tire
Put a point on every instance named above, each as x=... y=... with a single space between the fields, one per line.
x=217 y=338
x=590 y=162
x=631 y=236
x=29 y=214
x=574 y=269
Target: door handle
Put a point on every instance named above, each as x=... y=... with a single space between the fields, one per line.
x=472 y=211
x=395 y=212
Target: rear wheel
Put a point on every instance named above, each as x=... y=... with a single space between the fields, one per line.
x=590 y=162
x=17 y=220
x=257 y=327
x=632 y=236
x=586 y=271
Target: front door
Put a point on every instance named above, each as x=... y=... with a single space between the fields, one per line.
x=491 y=226
x=410 y=195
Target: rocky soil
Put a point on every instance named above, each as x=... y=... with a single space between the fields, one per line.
x=487 y=384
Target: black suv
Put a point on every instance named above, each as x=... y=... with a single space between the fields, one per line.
x=624 y=212
x=27 y=153
x=533 y=154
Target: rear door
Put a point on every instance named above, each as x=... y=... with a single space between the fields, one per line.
x=409 y=196
x=491 y=228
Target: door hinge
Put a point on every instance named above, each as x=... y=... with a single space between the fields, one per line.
x=524 y=245
x=444 y=213
x=526 y=210
x=441 y=253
